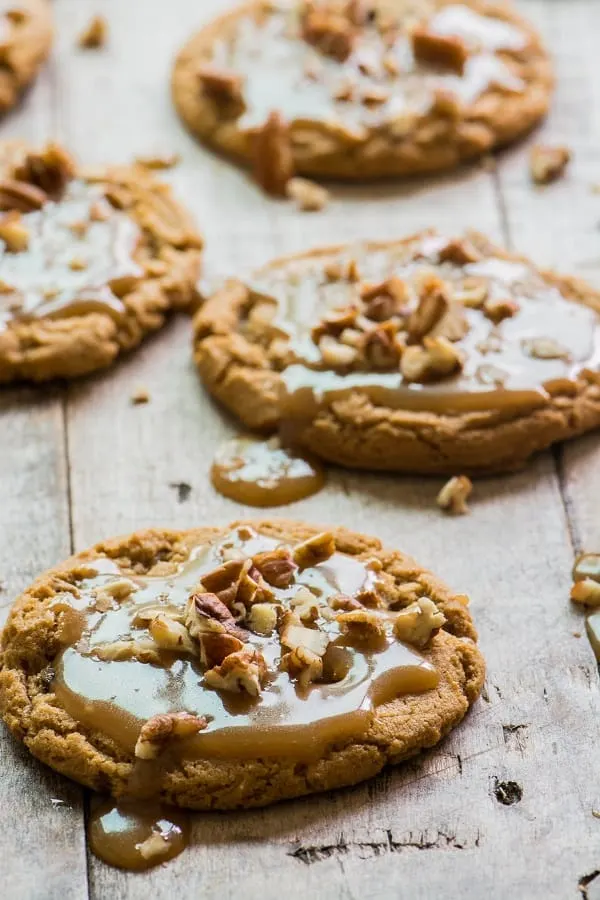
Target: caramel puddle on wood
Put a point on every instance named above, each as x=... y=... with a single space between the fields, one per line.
x=137 y=835
x=264 y=473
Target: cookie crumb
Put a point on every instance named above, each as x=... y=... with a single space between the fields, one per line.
x=308 y=196
x=95 y=34
x=548 y=164
x=139 y=396
x=273 y=161
x=453 y=496
x=158 y=162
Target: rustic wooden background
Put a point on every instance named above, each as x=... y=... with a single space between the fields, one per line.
x=79 y=463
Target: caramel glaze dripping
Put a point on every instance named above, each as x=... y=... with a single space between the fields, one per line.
x=264 y=473
x=45 y=280
x=137 y=835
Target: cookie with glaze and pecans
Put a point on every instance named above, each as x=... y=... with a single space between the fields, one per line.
x=90 y=262
x=361 y=88
x=233 y=667
x=430 y=354
x=25 y=42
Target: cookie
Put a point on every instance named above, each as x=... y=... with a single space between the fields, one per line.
x=25 y=42
x=234 y=667
x=428 y=355
x=355 y=90
x=90 y=262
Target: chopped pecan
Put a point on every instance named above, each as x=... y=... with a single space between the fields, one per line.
x=344 y=603
x=472 y=293
x=454 y=495
x=336 y=354
x=459 y=251
x=206 y=612
x=375 y=95
x=445 y=51
x=498 y=310
x=262 y=618
x=586 y=592
x=333 y=323
x=109 y=594
x=381 y=347
x=305 y=606
x=170 y=634
x=418 y=623
x=437 y=359
x=308 y=196
x=433 y=304
x=587 y=565
x=20 y=196
x=223 y=85
x=49 y=169
x=277 y=566
x=273 y=159
x=302 y=665
x=545 y=348
x=94 y=34
x=361 y=625
x=160 y=730
x=330 y=32
x=252 y=587
x=223 y=576
x=243 y=671
x=158 y=162
x=446 y=104
x=216 y=646
x=548 y=164
x=144 y=649
x=293 y=635
x=14 y=232
x=314 y=550
x=385 y=299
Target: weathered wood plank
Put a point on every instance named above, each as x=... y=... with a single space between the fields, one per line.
x=433 y=824
x=41 y=815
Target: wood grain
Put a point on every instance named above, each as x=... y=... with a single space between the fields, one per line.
x=434 y=827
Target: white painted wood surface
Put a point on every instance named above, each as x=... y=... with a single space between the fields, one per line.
x=82 y=463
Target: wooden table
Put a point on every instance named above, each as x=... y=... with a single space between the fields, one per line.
x=80 y=463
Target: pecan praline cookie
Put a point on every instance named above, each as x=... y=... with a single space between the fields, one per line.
x=354 y=90
x=234 y=667
x=429 y=354
x=91 y=260
x=25 y=42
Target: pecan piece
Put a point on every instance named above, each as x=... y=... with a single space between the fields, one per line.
x=215 y=647
x=435 y=360
x=14 y=232
x=308 y=196
x=95 y=34
x=344 y=603
x=433 y=304
x=381 y=346
x=276 y=566
x=445 y=51
x=222 y=85
x=385 y=299
x=418 y=623
x=459 y=251
x=158 y=731
x=170 y=635
x=331 y=33
x=498 y=310
x=273 y=159
x=314 y=550
x=586 y=593
x=262 y=618
x=361 y=625
x=302 y=665
x=243 y=671
x=454 y=495
x=206 y=612
x=294 y=635
x=49 y=169
x=20 y=196
x=548 y=164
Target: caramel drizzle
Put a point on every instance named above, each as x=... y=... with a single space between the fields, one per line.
x=307 y=83
x=117 y=697
x=520 y=382
x=43 y=281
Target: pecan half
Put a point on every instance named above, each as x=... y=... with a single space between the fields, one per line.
x=273 y=159
x=160 y=730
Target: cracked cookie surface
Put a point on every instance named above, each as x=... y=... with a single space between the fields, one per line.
x=432 y=354
x=25 y=42
x=235 y=667
x=91 y=260
x=357 y=90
